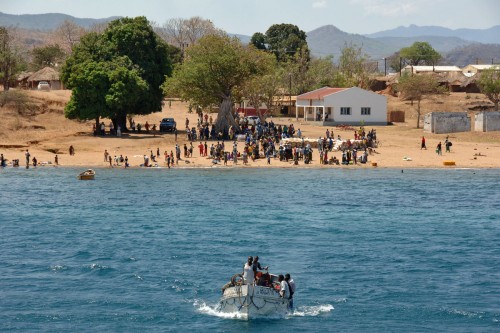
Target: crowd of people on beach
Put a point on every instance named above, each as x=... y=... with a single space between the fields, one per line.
x=260 y=139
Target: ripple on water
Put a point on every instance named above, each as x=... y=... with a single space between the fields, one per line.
x=150 y=249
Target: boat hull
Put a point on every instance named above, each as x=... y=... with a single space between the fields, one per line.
x=87 y=175
x=250 y=302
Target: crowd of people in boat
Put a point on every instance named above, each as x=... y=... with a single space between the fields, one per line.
x=254 y=274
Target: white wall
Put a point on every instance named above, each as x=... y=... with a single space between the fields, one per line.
x=356 y=98
x=447 y=122
x=487 y=121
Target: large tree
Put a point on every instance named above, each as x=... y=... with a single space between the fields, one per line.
x=394 y=61
x=420 y=53
x=67 y=35
x=262 y=89
x=50 y=55
x=417 y=87
x=489 y=83
x=104 y=89
x=321 y=73
x=11 y=57
x=284 y=40
x=258 y=40
x=183 y=33
x=147 y=54
x=212 y=73
x=352 y=67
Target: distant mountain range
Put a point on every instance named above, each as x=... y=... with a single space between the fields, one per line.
x=46 y=22
x=329 y=40
x=458 y=47
x=487 y=36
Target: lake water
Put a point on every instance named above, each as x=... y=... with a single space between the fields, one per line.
x=372 y=250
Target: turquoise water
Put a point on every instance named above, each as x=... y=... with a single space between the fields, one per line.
x=372 y=250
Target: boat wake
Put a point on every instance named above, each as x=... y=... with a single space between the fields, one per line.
x=311 y=311
x=301 y=311
x=204 y=308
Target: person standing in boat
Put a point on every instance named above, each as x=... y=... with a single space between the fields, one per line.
x=248 y=271
x=257 y=265
x=284 y=289
x=291 y=286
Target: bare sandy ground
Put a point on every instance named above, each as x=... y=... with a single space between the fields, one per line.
x=48 y=133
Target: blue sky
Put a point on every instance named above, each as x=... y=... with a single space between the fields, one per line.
x=249 y=16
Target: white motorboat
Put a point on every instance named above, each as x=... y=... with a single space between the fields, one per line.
x=252 y=301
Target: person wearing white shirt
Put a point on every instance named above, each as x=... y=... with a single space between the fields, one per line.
x=248 y=272
x=284 y=289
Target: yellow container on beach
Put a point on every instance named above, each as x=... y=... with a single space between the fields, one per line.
x=448 y=163
x=374 y=164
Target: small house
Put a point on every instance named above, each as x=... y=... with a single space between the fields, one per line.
x=342 y=106
x=47 y=74
x=471 y=70
x=22 y=79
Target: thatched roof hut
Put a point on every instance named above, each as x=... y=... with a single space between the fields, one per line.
x=459 y=82
x=45 y=74
x=22 y=79
x=48 y=74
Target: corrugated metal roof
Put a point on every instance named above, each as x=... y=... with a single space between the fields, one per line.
x=433 y=68
x=482 y=67
x=320 y=93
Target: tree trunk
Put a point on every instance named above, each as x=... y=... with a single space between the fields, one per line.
x=496 y=105
x=418 y=113
x=225 y=117
x=97 y=126
x=122 y=122
x=6 y=84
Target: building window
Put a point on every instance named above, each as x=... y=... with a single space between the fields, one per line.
x=345 y=111
x=366 y=111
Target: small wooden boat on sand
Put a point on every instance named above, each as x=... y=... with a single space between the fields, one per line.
x=87 y=175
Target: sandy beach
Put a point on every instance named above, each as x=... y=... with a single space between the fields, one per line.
x=47 y=132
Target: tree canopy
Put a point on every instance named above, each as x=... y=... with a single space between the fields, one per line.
x=117 y=72
x=183 y=33
x=50 y=55
x=352 y=67
x=68 y=34
x=284 y=40
x=489 y=83
x=11 y=57
x=213 y=72
x=420 y=53
x=417 y=87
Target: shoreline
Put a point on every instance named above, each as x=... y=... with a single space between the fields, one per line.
x=230 y=167
x=399 y=144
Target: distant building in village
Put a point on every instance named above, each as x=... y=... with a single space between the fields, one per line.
x=428 y=69
x=22 y=79
x=471 y=70
x=350 y=106
x=47 y=74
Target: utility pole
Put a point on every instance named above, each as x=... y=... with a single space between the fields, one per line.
x=385 y=66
